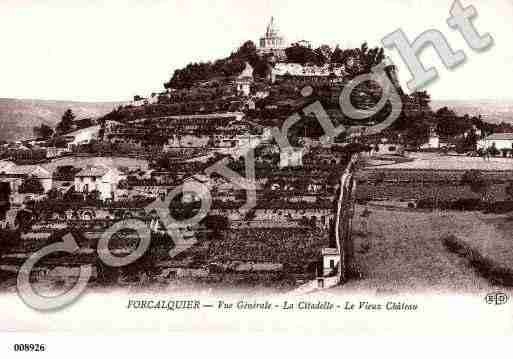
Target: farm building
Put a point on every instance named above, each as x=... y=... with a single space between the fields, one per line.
x=498 y=140
x=102 y=179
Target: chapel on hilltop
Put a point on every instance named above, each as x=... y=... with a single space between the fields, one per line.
x=273 y=43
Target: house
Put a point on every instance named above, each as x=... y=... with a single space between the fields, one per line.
x=6 y=166
x=501 y=141
x=435 y=142
x=15 y=175
x=388 y=149
x=331 y=72
x=303 y=43
x=103 y=179
x=291 y=157
x=52 y=152
x=245 y=80
x=187 y=141
x=330 y=261
x=83 y=136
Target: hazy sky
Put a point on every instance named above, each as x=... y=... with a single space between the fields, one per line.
x=111 y=50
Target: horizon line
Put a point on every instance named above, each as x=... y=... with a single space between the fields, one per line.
x=128 y=101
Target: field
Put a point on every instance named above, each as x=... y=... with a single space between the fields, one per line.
x=428 y=192
x=430 y=177
x=403 y=252
x=490 y=235
x=426 y=161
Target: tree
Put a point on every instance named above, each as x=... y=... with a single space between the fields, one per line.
x=43 y=131
x=509 y=190
x=23 y=220
x=301 y=54
x=324 y=53
x=338 y=55
x=66 y=124
x=31 y=185
x=492 y=150
x=477 y=183
x=216 y=224
x=123 y=184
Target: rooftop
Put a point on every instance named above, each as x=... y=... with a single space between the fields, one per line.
x=500 y=136
x=93 y=172
x=5 y=166
x=28 y=170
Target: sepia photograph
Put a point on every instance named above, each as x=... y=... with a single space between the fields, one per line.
x=328 y=167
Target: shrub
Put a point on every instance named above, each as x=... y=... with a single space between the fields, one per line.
x=31 y=185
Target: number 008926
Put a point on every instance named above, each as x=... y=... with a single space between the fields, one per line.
x=29 y=347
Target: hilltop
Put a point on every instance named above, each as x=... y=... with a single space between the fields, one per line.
x=492 y=111
x=19 y=116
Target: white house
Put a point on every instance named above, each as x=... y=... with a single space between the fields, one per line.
x=435 y=142
x=498 y=140
x=330 y=261
x=102 y=179
x=291 y=157
x=5 y=166
x=244 y=81
x=187 y=141
x=83 y=136
x=52 y=152
x=388 y=149
x=307 y=71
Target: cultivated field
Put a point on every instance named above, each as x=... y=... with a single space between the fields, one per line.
x=432 y=177
x=425 y=161
x=404 y=253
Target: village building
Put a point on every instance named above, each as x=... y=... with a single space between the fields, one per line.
x=83 y=136
x=303 y=43
x=6 y=166
x=16 y=175
x=187 y=141
x=334 y=73
x=244 y=81
x=382 y=149
x=330 y=261
x=291 y=157
x=52 y=152
x=435 y=141
x=103 y=179
x=500 y=141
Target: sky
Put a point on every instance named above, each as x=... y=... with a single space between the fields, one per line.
x=92 y=50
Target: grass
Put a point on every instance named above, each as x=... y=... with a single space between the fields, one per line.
x=487 y=267
x=402 y=253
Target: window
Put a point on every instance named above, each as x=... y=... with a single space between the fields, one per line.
x=332 y=263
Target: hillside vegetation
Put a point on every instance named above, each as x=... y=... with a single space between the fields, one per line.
x=19 y=117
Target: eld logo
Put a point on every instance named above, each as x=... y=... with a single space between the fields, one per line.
x=497 y=298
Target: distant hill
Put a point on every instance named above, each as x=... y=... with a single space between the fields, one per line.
x=493 y=111
x=18 y=117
